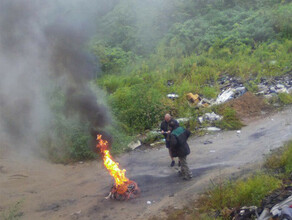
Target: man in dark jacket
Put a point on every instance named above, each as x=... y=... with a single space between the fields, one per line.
x=165 y=130
x=180 y=148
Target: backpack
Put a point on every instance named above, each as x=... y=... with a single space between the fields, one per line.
x=179 y=143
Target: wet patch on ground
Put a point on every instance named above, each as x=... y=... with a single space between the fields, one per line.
x=56 y=206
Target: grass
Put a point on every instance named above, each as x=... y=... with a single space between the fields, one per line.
x=285 y=98
x=224 y=196
x=281 y=160
x=230 y=120
x=229 y=194
x=13 y=212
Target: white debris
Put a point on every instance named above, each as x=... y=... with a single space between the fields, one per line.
x=212 y=151
x=149 y=202
x=238 y=132
x=212 y=129
x=172 y=96
x=212 y=117
x=183 y=120
x=230 y=93
x=225 y=96
x=133 y=145
x=201 y=119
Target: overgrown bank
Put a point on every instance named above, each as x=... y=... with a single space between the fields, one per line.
x=225 y=197
x=147 y=50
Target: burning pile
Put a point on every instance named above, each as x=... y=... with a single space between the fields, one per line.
x=123 y=188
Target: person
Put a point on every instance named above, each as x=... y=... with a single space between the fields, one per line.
x=165 y=130
x=179 y=147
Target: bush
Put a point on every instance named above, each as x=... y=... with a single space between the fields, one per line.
x=230 y=120
x=138 y=107
x=285 y=98
x=68 y=138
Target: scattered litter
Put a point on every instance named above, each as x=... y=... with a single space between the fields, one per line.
x=271 y=87
x=212 y=129
x=149 y=202
x=201 y=119
x=81 y=162
x=276 y=211
x=210 y=117
x=230 y=93
x=238 y=132
x=170 y=82
x=246 y=213
x=76 y=213
x=212 y=151
x=172 y=96
x=208 y=142
x=196 y=100
x=183 y=119
x=134 y=144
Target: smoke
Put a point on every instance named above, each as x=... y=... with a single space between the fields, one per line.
x=42 y=42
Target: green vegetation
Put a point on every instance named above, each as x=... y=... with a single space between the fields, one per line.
x=230 y=120
x=285 y=98
x=68 y=139
x=142 y=45
x=193 y=45
x=281 y=160
x=13 y=212
x=225 y=195
x=247 y=192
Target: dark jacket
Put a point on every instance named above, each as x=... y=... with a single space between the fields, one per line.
x=178 y=142
x=165 y=126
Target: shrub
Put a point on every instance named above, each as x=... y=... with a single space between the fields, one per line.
x=285 y=98
x=230 y=120
x=138 y=107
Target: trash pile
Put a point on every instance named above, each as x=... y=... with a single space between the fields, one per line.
x=276 y=206
x=210 y=117
x=280 y=84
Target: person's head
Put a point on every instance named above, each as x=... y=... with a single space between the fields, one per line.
x=173 y=125
x=167 y=117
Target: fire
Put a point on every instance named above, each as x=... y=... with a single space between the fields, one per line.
x=123 y=188
x=110 y=164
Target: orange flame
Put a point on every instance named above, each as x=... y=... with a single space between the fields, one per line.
x=111 y=166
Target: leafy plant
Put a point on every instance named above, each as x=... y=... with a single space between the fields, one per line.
x=230 y=120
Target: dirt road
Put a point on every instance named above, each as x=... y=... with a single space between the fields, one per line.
x=50 y=191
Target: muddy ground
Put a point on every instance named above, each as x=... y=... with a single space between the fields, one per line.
x=52 y=191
